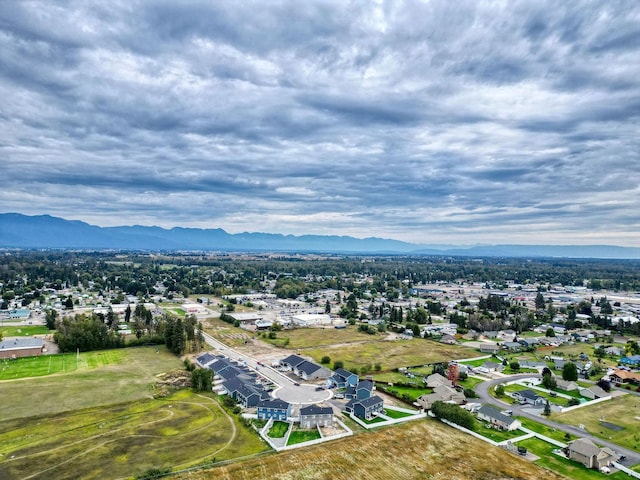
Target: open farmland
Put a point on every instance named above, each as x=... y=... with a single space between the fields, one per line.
x=617 y=419
x=418 y=450
x=124 y=439
x=125 y=375
x=388 y=353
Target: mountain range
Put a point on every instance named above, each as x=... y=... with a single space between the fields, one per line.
x=44 y=231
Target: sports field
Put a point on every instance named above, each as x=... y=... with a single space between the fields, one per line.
x=24 y=331
x=100 y=378
x=123 y=440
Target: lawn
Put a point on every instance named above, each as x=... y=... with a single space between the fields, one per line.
x=278 y=429
x=60 y=363
x=130 y=378
x=546 y=431
x=124 y=439
x=301 y=436
x=372 y=420
x=470 y=382
x=621 y=411
x=406 y=393
x=26 y=331
x=564 y=466
x=494 y=434
x=396 y=413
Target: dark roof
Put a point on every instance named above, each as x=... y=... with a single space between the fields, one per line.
x=351 y=403
x=206 y=358
x=315 y=410
x=293 y=360
x=232 y=385
x=343 y=373
x=366 y=384
x=528 y=394
x=18 y=343
x=308 y=367
x=368 y=402
x=275 y=403
x=491 y=412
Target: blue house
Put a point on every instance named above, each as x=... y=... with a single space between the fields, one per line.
x=631 y=360
x=366 y=408
x=342 y=378
x=364 y=389
x=276 y=409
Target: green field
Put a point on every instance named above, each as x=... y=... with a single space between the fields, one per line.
x=621 y=411
x=126 y=374
x=27 y=331
x=61 y=363
x=123 y=440
x=389 y=354
x=407 y=393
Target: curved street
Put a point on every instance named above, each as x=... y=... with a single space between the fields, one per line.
x=482 y=390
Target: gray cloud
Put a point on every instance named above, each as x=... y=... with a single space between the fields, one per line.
x=423 y=121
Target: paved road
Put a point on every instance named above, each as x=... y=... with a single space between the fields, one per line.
x=482 y=390
x=286 y=390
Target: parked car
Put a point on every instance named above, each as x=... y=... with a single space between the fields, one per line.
x=319 y=388
x=339 y=396
x=297 y=384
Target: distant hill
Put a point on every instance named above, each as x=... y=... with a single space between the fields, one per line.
x=44 y=231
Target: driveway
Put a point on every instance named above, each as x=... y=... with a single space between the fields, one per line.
x=482 y=390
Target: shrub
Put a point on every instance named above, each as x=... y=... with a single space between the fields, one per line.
x=325 y=360
x=514 y=365
x=338 y=364
x=573 y=401
x=454 y=414
x=470 y=393
x=500 y=390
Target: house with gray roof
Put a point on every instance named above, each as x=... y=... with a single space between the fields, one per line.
x=313 y=416
x=589 y=454
x=499 y=419
x=529 y=397
x=342 y=378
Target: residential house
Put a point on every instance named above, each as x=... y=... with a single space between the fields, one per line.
x=364 y=389
x=529 y=342
x=566 y=385
x=448 y=339
x=613 y=350
x=512 y=346
x=291 y=362
x=532 y=364
x=633 y=360
x=342 y=378
x=492 y=348
x=489 y=367
x=441 y=393
x=436 y=379
x=491 y=334
x=529 y=397
x=620 y=377
x=276 y=409
x=313 y=416
x=366 y=408
x=311 y=371
x=589 y=454
x=593 y=392
x=500 y=420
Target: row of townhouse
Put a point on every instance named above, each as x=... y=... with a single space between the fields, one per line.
x=305 y=369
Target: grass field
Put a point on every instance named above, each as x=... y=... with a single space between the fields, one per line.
x=412 y=451
x=225 y=332
x=62 y=363
x=621 y=411
x=123 y=440
x=25 y=331
x=407 y=393
x=130 y=378
x=396 y=413
x=389 y=354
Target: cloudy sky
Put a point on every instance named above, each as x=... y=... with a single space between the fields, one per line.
x=431 y=122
